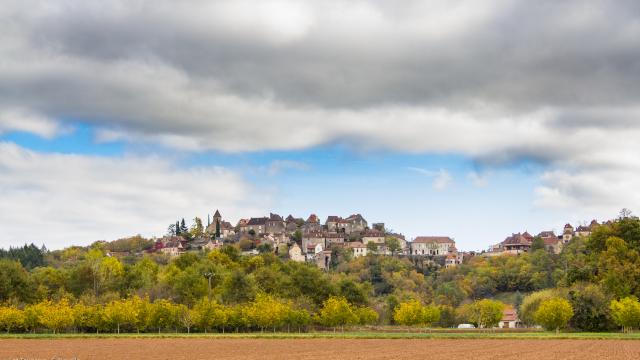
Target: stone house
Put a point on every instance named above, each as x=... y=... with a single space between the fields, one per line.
x=517 y=243
x=312 y=238
x=312 y=224
x=431 y=245
x=275 y=224
x=333 y=239
x=357 y=248
x=551 y=241
x=356 y=223
x=567 y=233
x=322 y=259
x=332 y=223
x=374 y=236
x=295 y=253
x=258 y=225
x=510 y=319
x=241 y=227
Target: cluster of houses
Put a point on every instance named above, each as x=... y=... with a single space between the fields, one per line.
x=311 y=241
x=522 y=242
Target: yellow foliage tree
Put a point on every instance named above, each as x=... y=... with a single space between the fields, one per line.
x=11 y=318
x=57 y=316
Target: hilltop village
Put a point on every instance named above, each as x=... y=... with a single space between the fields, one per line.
x=340 y=238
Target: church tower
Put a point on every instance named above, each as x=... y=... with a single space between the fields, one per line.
x=217 y=220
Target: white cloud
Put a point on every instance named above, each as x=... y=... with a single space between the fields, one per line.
x=61 y=199
x=27 y=121
x=441 y=178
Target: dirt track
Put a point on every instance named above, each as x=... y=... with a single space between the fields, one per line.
x=325 y=349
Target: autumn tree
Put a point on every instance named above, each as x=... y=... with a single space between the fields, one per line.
x=413 y=313
x=162 y=315
x=336 y=311
x=554 y=313
x=11 y=318
x=57 y=316
x=626 y=313
x=366 y=315
x=484 y=313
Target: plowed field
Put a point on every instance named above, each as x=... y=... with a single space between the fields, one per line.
x=325 y=349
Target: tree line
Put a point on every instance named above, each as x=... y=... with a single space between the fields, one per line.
x=264 y=313
x=590 y=274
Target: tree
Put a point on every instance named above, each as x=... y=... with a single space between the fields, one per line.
x=171 y=230
x=554 y=313
x=297 y=318
x=11 y=318
x=88 y=317
x=372 y=248
x=413 y=313
x=204 y=314
x=183 y=228
x=484 y=313
x=336 y=311
x=57 y=316
x=537 y=244
x=267 y=312
x=14 y=281
x=32 y=315
x=197 y=229
x=366 y=315
x=626 y=313
x=591 y=311
x=392 y=244
x=409 y=313
x=162 y=315
x=185 y=316
x=118 y=313
x=531 y=303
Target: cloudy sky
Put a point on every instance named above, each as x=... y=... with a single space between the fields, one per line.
x=472 y=119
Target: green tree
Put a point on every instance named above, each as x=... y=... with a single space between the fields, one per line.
x=372 y=248
x=297 y=318
x=590 y=307
x=626 y=313
x=392 y=244
x=554 y=313
x=15 y=282
x=537 y=244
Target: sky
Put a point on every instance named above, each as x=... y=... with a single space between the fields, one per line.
x=458 y=118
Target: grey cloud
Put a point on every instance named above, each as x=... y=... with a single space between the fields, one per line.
x=498 y=81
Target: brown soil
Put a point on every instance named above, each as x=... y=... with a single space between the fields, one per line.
x=325 y=349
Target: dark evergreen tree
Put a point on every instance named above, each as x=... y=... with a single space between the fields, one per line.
x=183 y=227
